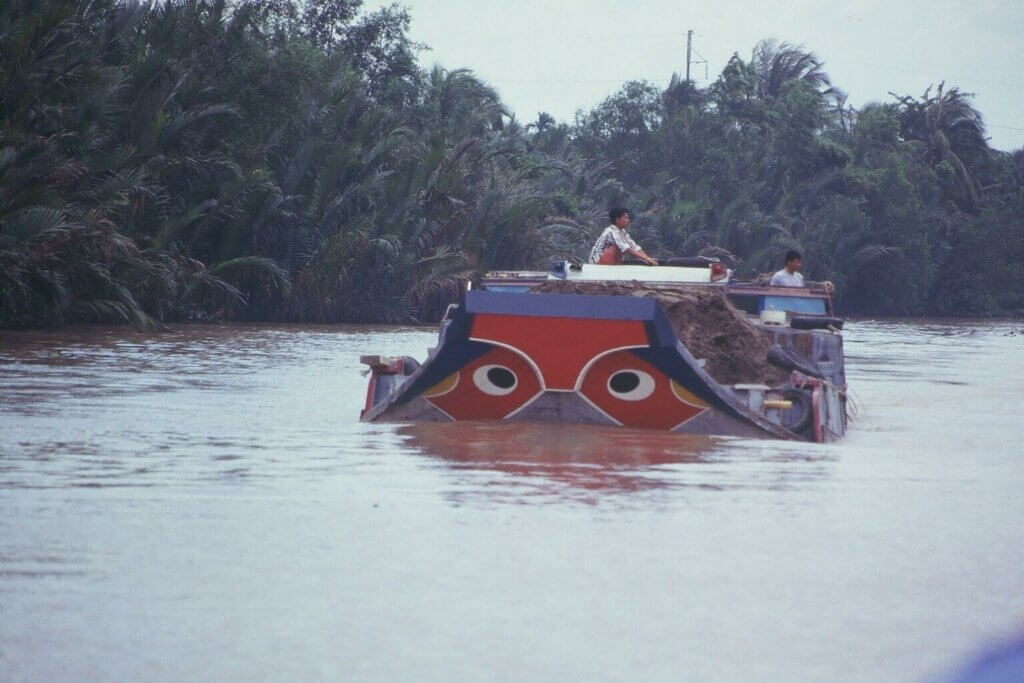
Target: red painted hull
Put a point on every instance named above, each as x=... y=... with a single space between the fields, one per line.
x=571 y=358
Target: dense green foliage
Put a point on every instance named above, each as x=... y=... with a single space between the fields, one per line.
x=285 y=160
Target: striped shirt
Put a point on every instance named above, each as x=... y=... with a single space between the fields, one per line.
x=612 y=235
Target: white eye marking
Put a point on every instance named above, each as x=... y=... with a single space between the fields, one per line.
x=631 y=385
x=496 y=380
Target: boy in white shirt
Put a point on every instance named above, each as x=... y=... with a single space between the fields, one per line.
x=790 y=275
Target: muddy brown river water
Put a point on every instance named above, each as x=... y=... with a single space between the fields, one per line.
x=203 y=505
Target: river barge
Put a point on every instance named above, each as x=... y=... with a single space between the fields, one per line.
x=628 y=345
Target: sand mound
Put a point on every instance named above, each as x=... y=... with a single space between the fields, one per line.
x=734 y=350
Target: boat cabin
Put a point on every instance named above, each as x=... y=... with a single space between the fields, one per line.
x=768 y=304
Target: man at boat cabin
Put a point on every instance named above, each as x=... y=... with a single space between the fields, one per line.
x=790 y=275
x=614 y=242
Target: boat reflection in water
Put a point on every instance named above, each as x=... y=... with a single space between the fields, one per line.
x=528 y=462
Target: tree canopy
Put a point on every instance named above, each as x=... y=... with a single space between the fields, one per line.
x=289 y=161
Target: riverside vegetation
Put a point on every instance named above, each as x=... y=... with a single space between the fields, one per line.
x=289 y=161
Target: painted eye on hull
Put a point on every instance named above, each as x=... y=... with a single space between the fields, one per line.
x=489 y=387
x=633 y=392
x=631 y=385
x=495 y=380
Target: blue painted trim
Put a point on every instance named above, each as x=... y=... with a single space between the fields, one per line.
x=507 y=289
x=562 y=305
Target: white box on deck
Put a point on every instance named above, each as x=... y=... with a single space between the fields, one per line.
x=593 y=271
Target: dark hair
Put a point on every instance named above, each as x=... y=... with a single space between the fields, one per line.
x=793 y=255
x=616 y=213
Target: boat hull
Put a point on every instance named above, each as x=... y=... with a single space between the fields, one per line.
x=566 y=358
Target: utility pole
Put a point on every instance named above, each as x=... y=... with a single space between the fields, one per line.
x=689 y=51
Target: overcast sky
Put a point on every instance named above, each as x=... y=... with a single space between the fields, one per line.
x=562 y=55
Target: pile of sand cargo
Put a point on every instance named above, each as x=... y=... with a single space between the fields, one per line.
x=734 y=350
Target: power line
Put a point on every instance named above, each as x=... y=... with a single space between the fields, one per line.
x=576 y=80
x=556 y=81
x=918 y=72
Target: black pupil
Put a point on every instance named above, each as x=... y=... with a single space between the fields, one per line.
x=624 y=382
x=501 y=378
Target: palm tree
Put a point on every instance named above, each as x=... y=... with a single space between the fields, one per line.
x=456 y=100
x=681 y=93
x=776 y=63
x=951 y=133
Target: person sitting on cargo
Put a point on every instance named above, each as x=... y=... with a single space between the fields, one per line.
x=790 y=275
x=614 y=242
